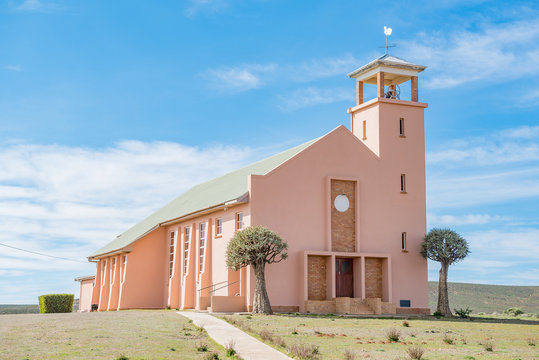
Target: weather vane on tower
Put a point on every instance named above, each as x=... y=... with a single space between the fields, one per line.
x=387 y=32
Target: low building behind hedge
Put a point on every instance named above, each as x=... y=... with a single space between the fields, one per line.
x=56 y=303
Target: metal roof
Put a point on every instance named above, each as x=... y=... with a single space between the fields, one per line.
x=387 y=60
x=221 y=190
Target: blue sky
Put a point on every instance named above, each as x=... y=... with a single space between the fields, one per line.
x=109 y=109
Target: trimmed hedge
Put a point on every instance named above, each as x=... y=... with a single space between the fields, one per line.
x=56 y=303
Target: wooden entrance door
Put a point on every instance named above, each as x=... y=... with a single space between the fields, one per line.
x=344 y=278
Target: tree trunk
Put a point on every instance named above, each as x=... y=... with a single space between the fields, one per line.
x=261 y=304
x=443 y=298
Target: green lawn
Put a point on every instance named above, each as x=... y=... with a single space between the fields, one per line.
x=156 y=334
x=366 y=338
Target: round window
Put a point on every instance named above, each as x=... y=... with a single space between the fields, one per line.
x=341 y=203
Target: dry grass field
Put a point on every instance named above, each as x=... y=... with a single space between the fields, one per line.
x=156 y=334
x=335 y=337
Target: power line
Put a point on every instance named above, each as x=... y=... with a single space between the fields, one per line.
x=37 y=253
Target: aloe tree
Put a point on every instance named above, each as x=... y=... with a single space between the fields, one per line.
x=446 y=247
x=256 y=246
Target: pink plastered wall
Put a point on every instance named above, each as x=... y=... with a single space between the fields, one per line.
x=293 y=201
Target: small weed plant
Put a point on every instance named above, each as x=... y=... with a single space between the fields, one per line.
x=405 y=323
x=530 y=341
x=463 y=313
x=437 y=314
x=279 y=341
x=211 y=356
x=266 y=335
x=415 y=352
x=305 y=352
x=448 y=339
x=488 y=345
x=229 y=347
x=122 y=357
x=350 y=354
x=202 y=347
x=393 y=335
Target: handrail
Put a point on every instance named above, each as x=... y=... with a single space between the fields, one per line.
x=209 y=286
x=222 y=287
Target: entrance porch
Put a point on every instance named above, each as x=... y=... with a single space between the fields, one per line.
x=347 y=283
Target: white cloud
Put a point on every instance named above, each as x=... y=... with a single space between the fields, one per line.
x=69 y=201
x=325 y=67
x=523 y=132
x=310 y=96
x=497 y=167
x=512 y=145
x=436 y=220
x=253 y=76
x=12 y=67
x=241 y=78
x=497 y=52
x=453 y=190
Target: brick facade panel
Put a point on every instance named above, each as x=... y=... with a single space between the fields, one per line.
x=373 y=278
x=316 y=269
x=343 y=224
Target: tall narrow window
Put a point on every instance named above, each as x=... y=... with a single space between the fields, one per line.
x=239 y=221
x=218 y=227
x=103 y=272
x=124 y=263
x=202 y=246
x=401 y=127
x=187 y=240
x=403 y=241
x=364 y=129
x=403 y=183
x=112 y=269
x=171 y=254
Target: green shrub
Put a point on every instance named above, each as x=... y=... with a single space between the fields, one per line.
x=202 y=347
x=393 y=335
x=415 y=352
x=513 y=311
x=437 y=314
x=463 y=313
x=56 y=303
x=211 y=356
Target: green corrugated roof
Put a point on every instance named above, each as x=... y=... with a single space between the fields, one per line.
x=215 y=192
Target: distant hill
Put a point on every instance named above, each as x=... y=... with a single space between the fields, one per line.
x=19 y=309
x=28 y=309
x=487 y=298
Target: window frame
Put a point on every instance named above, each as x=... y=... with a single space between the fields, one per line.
x=172 y=253
x=202 y=239
x=238 y=224
x=123 y=267
x=364 y=130
x=404 y=242
x=403 y=183
x=218 y=227
x=186 y=249
x=402 y=131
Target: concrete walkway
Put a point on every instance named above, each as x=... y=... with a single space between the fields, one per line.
x=246 y=346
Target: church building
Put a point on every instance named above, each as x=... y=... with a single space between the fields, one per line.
x=350 y=204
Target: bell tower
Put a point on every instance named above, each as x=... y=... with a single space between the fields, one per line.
x=369 y=118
